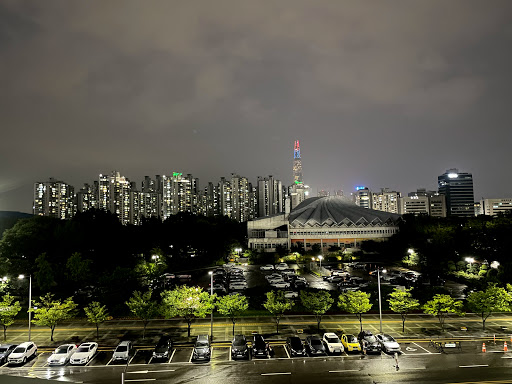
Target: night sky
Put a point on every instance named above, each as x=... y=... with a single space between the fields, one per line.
x=379 y=93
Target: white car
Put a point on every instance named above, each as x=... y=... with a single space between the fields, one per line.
x=290 y=295
x=273 y=276
x=281 y=266
x=62 y=354
x=22 y=353
x=274 y=280
x=268 y=267
x=387 y=343
x=84 y=353
x=238 y=285
x=280 y=284
x=332 y=343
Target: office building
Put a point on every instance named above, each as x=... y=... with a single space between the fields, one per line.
x=457 y=188
x=495 y=207
x=386 y=200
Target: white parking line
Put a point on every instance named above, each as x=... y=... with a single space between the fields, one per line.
x=276 y=373
x=172 y=355
x=140 y=380
x=112 y=358
x=345 y=370
x=473 y=366
x=426 y=350
x=129 y=362
x=191 y=354
x=89 y=362
x=286 y=350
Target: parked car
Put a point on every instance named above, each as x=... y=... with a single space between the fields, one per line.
x=369 y=342
x=301 y=284
x=62 y=354
x=260 y=348
x=5 y=351
x=238 y=285
x=273 y=276
x=291 y=294
x=281 y=266
x=163 y=348
x=350 y=343
x=296 y=346
x=388 y=343
x=267 y=267
x=202 y=348
x=84 y=353
x=332 y=343
x=239 y=348
x=314 y=346
x=22 y=353
x=123 y=351
x=280 y=284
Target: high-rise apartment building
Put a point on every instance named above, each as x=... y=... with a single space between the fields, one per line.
x=386 y=200
x=241 y=198
x=457 y=188
x=119 y=196
x=179 y=194
x=270 y=196
x=53 y=198
x=87 y=197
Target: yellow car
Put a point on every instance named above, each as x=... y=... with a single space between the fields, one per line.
x=350 y=343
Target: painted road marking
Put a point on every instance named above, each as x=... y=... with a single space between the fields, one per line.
x=172 y=355
x=473 y=366
x=139 y=380
x=276 y=373
x=426 y=350
x=286 y=350
x=345 y=370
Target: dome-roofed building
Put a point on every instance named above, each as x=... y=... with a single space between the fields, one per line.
x=327 y=221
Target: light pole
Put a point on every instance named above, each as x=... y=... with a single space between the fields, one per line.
x=380 y=304
x=320 y=258
x=211 y=295
x=21 y=277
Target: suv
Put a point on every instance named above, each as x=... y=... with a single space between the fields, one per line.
x=163 y=348
x=260 y=347
x=201 y=348
x=296 y=346
x=333 y=343
x=5 y=351
x=239 y=348
x=123 y=351
x=22 y=353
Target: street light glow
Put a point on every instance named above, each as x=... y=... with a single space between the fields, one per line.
x=21 y=277
x=470 y=260
x=410 y=251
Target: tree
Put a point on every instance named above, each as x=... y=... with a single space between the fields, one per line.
x=77 y=268
x=277 y=304
x=143 y=307
x=401 y=301
x=50 y=311
x=232 y=306
x=45 y=274
x=8 y=311
x=96 y=314
x=493 y=299
x=186 y=302
x=441 y=305
x=355 y=302
x=316 y=302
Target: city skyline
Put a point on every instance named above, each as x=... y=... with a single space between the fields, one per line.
x=385 y=95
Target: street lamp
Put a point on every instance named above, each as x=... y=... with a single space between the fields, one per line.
x=380 y=300
x=21 y=277
x=211 y=315
x=470 y=260
x=320 y=258
x=495 y=264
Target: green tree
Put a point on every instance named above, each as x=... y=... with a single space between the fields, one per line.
x=143 y=307
x=401 y=301
x=277 y=305
x=186 y=302
x=493 y=299
x=96 y=314
x=151 y=270
x=78 y=269
x=50 y=311
x=45 y=274
x=441 y=305
x=356 y=303
x=316 y=302
x=232 y=306
x=8 y=311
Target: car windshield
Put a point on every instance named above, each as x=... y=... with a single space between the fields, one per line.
x=19 y=350
x=295 y=342
x=61 y=350
x=351 y=339
x=3 y=349
x=316 y=342
x=201 y=344
x=387 y=338
x=371 y=339
x=83 y=349
x=122 y=348
x=239 y=341
x=333 y=340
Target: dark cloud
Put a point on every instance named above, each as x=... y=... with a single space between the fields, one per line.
x=386 y=94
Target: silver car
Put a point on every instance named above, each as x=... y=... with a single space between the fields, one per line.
x=387 y=343
x=123 y=351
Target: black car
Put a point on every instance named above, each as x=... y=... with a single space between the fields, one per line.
x=315 y=346
x=239 y=348
x=369 y=342
x=201 y=348
x=163 y=348
x=5 y=351
x=260 y=348
x=296 y=346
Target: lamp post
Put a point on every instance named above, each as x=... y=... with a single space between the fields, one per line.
x=21 y=277
x=380 y=303
x=320 y=258
x=211 y=315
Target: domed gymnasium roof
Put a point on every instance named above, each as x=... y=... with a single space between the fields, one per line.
x=319 y=211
